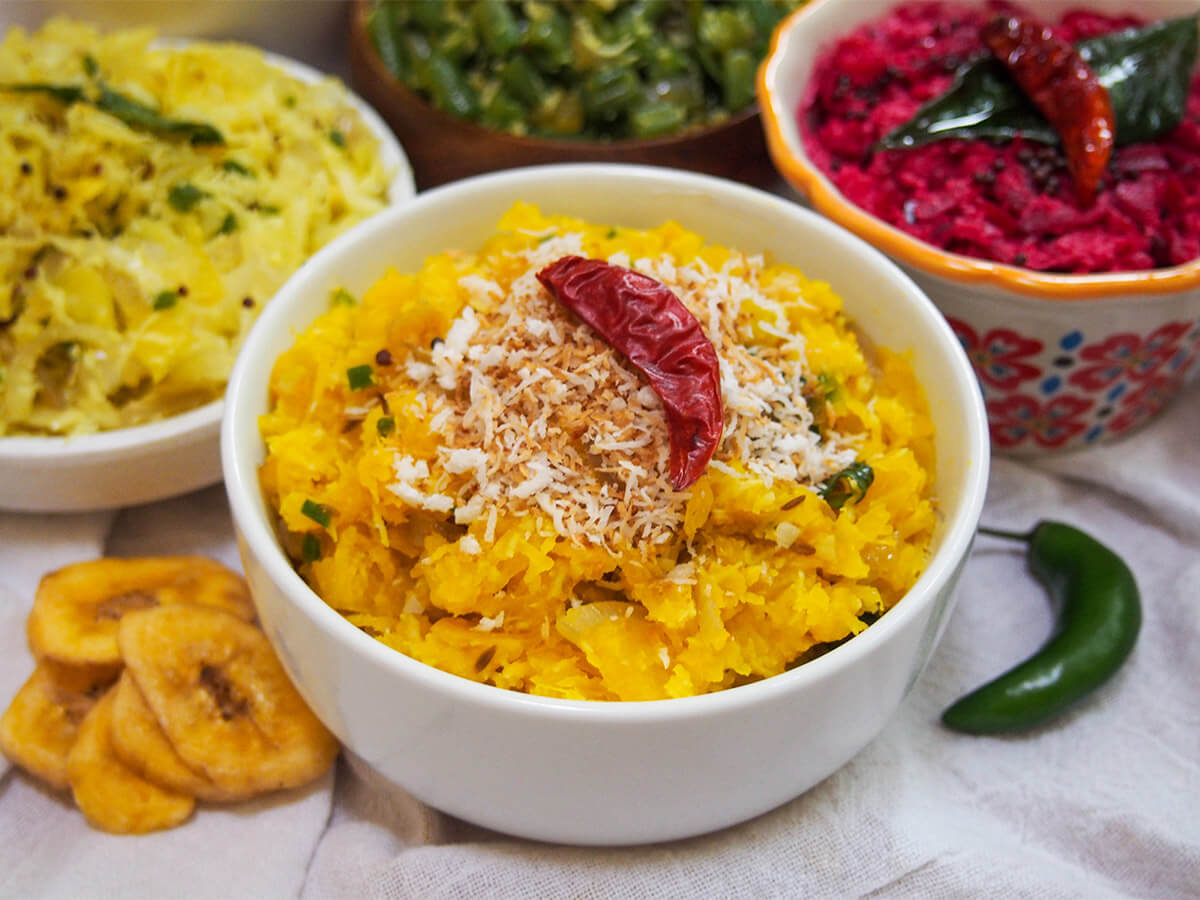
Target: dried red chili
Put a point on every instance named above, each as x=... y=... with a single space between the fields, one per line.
x=1064 y=89
x=644 y=320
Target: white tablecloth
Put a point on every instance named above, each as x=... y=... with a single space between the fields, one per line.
x=1102 y=802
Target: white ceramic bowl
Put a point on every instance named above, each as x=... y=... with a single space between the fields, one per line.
x=1065 y=361
x=161 y=459
x=592 y=772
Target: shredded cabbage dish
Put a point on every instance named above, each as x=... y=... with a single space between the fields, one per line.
x=152 y=198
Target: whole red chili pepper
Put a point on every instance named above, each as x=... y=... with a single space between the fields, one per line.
x=644 y=320
x=1064 y=89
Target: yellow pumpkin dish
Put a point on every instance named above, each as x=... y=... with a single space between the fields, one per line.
x=470 y=474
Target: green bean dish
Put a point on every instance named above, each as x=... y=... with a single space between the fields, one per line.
x=583 y=69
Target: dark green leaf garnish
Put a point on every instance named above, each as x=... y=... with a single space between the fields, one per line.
x=385 y=425
x=847 y=486
x=311 y=548
x=320 y=514
x=232 y=165
x=338 y=139
x=184 y=196
x=359 y=377
x=144 y=118
x=1147 y=72
x=342 y=297
x=228 y=225
x=90 y=66
x=136 y=115
x=63 y=93
x=165 y=300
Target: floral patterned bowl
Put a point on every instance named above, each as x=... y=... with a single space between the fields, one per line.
x=1064 y=361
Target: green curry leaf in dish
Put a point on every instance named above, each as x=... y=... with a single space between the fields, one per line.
x=1147 y=72
x=137 y=116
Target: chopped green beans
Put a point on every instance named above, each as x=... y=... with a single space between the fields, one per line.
x=605 y=69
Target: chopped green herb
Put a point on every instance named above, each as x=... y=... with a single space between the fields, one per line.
x=144 y=118
x=612 y=233
x=342 y=297
x=311 y=549
x=229 y=225
x=847 y=486
x=90 y=66
x=359 y=377
x=267 y=209
x=136 y=115
x=289 y=101
x=338 y=139
x=63 y=93
x=165 y=299
x=385 y=425
x=184 y=196
x=317 y=512
x=232 y=165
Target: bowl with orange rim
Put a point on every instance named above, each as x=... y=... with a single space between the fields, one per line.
x=1065 y=357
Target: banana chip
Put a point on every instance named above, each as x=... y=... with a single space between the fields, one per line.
x=111 y=795
x=77 y=609
x=223 y=699
x=140 y=743
x=40 y=725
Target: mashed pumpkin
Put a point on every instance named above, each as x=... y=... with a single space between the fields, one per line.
x=151 y=200
x=473 y=477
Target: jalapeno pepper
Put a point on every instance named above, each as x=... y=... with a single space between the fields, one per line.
x=1064 y=89
x=644 y=320
x=1096 y=629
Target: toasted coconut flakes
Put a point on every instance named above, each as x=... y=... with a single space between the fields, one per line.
x=535 y=411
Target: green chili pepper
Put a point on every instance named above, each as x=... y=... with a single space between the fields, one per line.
x=1096 y=629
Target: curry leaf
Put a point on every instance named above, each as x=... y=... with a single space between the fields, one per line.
x=136 y=115
x=63 y=93
x=847 y=486
x=1147 y=71
x=144 y=118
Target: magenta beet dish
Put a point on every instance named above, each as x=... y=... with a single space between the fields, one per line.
x=1004 y=197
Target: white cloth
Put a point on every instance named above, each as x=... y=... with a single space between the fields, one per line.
x=1101 y=802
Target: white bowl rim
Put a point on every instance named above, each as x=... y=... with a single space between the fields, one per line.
x=241 y=483
x=199 y=421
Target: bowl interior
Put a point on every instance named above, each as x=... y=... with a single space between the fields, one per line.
x=885 y=304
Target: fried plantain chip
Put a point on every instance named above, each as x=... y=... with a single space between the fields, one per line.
x=76 y=609
x=111 y=795
x=223 y=699
x=42 y=721
x=140 y=743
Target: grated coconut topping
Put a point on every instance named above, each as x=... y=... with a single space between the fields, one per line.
x=536 y=411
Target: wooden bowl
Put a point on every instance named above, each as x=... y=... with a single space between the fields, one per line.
x=443 y=148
